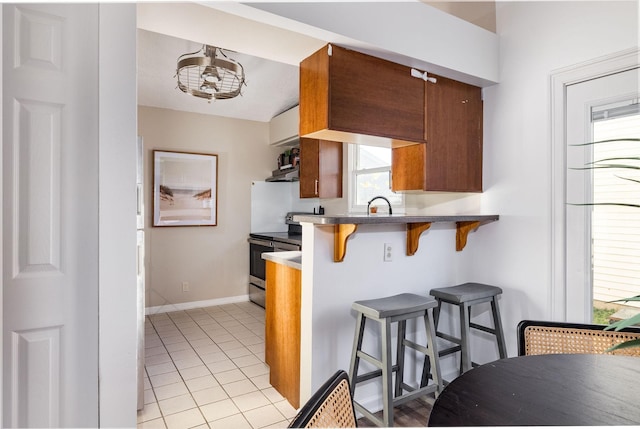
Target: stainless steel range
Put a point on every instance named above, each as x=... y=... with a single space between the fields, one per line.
x=261 y=242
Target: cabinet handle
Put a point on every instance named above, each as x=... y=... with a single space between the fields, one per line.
x=390 y=180
x=316 y=187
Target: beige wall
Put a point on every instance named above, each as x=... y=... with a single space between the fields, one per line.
x=213 y=260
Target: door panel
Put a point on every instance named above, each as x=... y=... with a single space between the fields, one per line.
x=50 y=215
x=330 y=169
x=309 y=167
x=582 y=99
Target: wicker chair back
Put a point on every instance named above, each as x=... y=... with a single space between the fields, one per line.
x=330 y=407
x=541 y=337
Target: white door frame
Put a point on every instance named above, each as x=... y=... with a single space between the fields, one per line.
x=117 y=236
x=560 y=80
x=1 y=223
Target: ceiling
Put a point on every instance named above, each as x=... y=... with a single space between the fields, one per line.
x=480 y=13
x=271 y=86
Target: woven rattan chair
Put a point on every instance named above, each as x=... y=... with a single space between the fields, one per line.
x=541 y=338
x=330 y=407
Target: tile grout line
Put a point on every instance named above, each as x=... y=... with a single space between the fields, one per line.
x=155 y=397
x=208 y=369
x=182 y=377
x=192 y=320
x=173 y=321
x=231 y=359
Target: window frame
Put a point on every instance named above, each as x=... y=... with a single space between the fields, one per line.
x=354 y=171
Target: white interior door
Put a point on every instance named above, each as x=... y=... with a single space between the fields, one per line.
x=582 y=100
x=50 y=215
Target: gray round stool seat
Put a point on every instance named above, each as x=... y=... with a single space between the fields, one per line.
x=404 y=303
x=465 y=292
x=385 y=311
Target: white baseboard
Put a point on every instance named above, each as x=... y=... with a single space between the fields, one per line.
x=195 y=304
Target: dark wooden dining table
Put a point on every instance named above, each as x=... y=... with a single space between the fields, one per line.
x=542 y=390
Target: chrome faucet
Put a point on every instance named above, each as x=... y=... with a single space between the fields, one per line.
x=379 y=197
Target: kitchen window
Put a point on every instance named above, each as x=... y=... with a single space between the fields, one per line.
x=370 y=172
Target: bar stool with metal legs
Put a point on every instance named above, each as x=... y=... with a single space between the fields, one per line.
x=397 y=308
x=465 y=296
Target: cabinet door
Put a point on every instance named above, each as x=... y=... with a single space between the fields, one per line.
x=320 y=168
x=408 y=167
x=309 y=167
x=330 y=169
x=282 y=330
x=369 y=95
x=454 y=136
x=351 y=97
x=451 y=160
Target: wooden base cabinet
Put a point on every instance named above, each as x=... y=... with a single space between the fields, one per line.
x=320 y=168
x=282 y=330
x=451 y=158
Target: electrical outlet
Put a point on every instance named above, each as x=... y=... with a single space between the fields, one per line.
x=185 y=286
x=388 y=252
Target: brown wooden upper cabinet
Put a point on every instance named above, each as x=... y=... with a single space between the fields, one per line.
x=434 y=128
x=320 y=168
x=451 y=159
x=351 y=97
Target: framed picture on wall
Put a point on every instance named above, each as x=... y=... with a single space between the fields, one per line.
x=185 y=188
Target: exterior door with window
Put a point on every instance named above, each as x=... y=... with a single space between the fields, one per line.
x=602 y=189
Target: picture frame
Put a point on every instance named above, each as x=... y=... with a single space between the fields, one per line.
x=185 y=189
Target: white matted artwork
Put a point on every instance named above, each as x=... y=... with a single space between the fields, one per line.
x=185 y=188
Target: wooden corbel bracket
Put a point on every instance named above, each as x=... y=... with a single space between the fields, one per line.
x=463 y=229
x=414 y=231
x=415 y=228
x=341 y=232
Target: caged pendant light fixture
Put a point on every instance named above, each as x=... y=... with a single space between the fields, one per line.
x=208 y=73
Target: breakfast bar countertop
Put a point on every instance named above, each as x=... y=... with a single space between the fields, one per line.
x=345 y=225
x=386 y=219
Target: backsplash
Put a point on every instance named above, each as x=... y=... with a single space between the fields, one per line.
x=271 y=201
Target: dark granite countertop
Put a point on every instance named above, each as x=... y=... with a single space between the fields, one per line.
x=386 y=219
x=283 y=237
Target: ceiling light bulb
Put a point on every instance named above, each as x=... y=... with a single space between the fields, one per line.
x=208 y=87
x=210 y=74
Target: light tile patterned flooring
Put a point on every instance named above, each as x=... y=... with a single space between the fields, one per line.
x=205 y=368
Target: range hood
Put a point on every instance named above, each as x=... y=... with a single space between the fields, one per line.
x=288 y=175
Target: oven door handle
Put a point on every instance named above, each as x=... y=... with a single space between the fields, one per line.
x=260 y=242
x=285 y=246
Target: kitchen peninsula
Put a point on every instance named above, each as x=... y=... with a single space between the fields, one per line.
x=328 y=288
x=345 y=225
